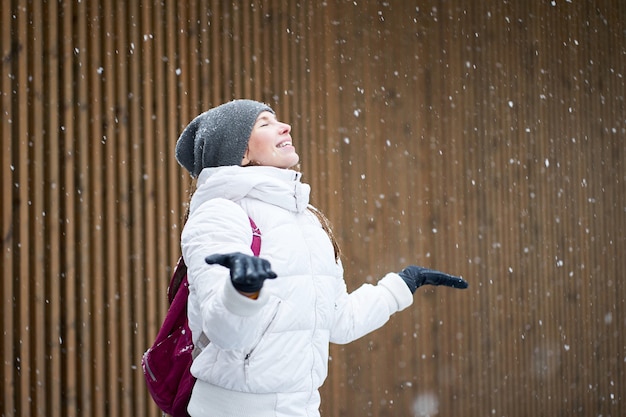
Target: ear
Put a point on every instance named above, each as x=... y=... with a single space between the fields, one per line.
x=245 y=160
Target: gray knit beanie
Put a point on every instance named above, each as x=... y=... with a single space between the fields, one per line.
x=218 y=137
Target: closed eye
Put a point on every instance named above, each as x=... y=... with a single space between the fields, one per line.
x=264 y=121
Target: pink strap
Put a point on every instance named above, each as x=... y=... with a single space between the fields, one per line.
x=256 y=238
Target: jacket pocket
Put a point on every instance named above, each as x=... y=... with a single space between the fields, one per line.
x=248 y=355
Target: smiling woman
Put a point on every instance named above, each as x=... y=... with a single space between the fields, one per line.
x=269 y=318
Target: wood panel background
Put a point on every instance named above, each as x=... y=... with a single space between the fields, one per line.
x=485 y=138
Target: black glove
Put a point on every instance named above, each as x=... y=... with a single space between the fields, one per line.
x=416 y=276
x=247 y=273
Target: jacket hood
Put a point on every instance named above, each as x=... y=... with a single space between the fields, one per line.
x=277 y=186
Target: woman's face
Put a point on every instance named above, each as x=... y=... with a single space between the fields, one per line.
x=270 y=143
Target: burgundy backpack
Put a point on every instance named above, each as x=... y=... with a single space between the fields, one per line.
x=166 y=364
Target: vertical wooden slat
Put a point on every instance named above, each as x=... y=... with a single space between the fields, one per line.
x=214 y=30
x=248 y=53
x=152 y=317
x=163 y=131
x=128 y=252
x=256 y=42
x=284 y=36
x=166 y=145
x=141 y=230
x=293 y=22
x=116 y=249
x=70 y=341
x=178 y=193
x=24 y=363
x=230 y=72
x=300 y=116
x=157 y=215
x=54 y=215
x=8 y=284
x=309 y=123
x=191 y=60
x=9 y=233
x=183 y=63
x=234 y=35
x=171 y=112
x=262 y=51
x=273 y=25
x=96 y=111
x=205 y=58
x=37 y=216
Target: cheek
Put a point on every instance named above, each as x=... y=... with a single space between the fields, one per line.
x=260 y=150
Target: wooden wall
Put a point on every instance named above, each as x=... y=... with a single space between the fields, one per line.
x=485 y=138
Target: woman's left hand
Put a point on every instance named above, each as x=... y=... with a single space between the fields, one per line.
x=247 y=273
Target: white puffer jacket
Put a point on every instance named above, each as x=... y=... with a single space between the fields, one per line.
x=277 y=344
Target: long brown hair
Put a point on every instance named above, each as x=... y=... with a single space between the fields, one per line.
x=328 y=229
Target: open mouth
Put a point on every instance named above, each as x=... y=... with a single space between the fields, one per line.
x=284 y=144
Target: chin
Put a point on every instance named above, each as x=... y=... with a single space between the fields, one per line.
x=291 y=162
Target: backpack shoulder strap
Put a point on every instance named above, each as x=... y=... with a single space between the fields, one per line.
x=179 y=275
x=256 y=238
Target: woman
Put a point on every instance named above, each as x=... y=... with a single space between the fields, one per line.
x=269 y=319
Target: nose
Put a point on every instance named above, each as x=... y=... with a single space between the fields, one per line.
x=284 y=128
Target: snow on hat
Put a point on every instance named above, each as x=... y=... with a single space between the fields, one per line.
x=218 y=137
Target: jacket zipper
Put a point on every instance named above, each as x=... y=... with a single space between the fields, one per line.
x=246 y=360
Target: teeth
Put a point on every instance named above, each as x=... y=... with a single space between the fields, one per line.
x=282 y=145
